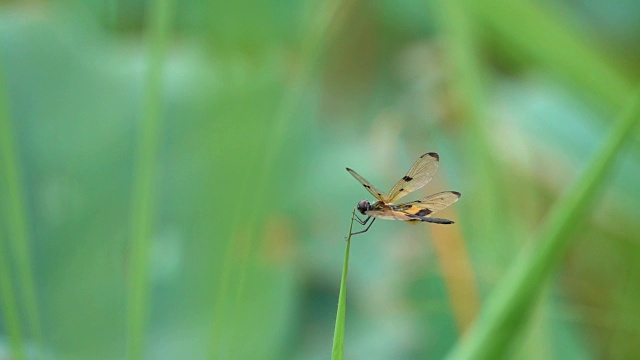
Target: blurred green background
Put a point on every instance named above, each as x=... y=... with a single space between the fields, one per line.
x=172 y=180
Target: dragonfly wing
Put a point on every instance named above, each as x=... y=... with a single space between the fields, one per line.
x=429 y=205
x=370 y=188
x=418 y=176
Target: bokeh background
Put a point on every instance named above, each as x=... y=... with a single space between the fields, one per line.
x=172 y=180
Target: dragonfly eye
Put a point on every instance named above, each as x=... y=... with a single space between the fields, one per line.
x=363 y=206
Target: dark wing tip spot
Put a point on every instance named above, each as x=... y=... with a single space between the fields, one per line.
x=433 y=155
x=367 y=186
x=407 y=178
x=457 y=193
x=348 y=169
x=401 y=190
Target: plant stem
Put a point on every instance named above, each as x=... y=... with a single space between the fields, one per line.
x=338 y=334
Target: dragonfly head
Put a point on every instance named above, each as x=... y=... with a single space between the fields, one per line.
x=364 y=206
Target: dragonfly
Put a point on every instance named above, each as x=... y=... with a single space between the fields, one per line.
x=421 y=210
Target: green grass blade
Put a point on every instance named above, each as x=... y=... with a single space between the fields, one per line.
x=338 y=334
x=17 y=231
x=144 y=183
x=503 y=312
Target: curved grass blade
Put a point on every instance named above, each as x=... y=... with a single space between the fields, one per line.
x=338 y=334
x=513 y=297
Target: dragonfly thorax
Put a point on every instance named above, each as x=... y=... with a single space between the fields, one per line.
x=364 y=206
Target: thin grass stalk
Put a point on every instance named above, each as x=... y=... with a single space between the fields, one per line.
x=144 y=186
x=513 y=297
x=337 y=352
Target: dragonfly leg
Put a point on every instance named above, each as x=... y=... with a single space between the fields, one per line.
x=365 y=230
x=360 y=221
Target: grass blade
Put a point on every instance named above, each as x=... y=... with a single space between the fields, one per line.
x=338 y=334
x=514 y=296
x=144 y=184
x=18 y=240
